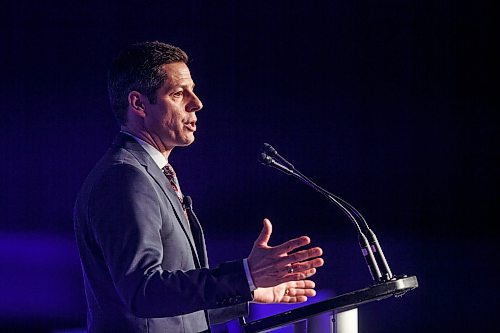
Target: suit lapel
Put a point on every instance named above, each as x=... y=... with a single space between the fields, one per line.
x=198 y=237
x=156 y=173
x=161 y=180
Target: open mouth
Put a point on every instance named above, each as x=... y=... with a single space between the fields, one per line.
x=191 y=126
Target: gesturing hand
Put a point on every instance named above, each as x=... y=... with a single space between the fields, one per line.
x=289 y=292
x=272 y=266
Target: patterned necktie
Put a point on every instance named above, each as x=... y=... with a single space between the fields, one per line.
x=172 y=179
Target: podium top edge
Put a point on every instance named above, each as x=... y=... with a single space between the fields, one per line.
x=396 y=287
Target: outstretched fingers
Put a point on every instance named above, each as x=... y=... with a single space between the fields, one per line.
x=291 y=245
x=305 y=265
x=302 y=288
x=297 y=276
x=265 y=233
x=302 y=260
x=299 y=291
x=270 y=266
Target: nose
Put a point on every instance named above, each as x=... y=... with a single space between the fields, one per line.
x=195 y=104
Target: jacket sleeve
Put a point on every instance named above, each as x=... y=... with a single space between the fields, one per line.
x=222 y=315
x=124 y=212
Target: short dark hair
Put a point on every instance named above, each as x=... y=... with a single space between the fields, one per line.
x=139 y=67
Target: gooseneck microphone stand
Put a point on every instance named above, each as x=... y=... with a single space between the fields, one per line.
x=344 y=307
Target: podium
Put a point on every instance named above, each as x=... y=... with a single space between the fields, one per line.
x=342 y=309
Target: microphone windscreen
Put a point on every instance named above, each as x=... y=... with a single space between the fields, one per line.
x=267 y=148
x=187 y=201
x=265 y=159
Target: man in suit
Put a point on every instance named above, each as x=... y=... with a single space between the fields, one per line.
x=142 y=248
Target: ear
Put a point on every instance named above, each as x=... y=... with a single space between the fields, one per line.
x=136 y=103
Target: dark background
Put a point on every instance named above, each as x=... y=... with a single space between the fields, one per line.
x=388 y=104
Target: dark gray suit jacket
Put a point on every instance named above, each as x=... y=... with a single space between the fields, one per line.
x=143 y=269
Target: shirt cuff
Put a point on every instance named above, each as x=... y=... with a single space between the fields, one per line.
x=249 y=276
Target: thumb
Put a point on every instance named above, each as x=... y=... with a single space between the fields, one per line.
x=265 y=234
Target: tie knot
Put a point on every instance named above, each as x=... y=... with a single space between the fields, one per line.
x=169 y=170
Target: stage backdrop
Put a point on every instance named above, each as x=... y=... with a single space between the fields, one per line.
x=387 y=104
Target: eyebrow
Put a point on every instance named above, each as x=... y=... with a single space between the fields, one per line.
x=187 y=85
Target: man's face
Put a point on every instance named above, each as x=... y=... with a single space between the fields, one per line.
x=172 y=119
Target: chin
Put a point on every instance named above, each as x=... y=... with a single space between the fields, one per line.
x=187 y=142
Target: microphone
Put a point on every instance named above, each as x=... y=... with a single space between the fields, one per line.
x=187 y=202
x=269 y=161
x=371 y=250
x=269 y=150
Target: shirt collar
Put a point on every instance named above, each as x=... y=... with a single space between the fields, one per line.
x=157 y=157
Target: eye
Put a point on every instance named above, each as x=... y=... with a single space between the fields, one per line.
x=178 y=93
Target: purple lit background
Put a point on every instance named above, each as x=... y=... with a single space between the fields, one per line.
x=388 y=104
